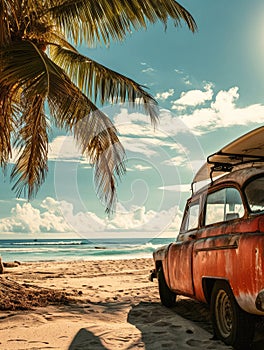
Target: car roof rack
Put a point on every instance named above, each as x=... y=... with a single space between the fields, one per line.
x=246 y=149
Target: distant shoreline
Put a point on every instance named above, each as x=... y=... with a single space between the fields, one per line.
x=79 y=249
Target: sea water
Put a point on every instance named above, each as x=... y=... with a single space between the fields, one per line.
x=78 y=249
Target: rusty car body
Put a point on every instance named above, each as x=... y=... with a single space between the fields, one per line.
x=218 y=256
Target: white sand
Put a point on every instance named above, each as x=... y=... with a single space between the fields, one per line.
x=117 y=308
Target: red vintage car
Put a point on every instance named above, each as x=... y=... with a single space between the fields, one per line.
x=218 y=256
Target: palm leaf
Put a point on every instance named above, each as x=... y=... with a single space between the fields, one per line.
x=5 y=34
x=56 y=39
x=103 y=20
x=69 y=108
x=30 y=80
x=23 y=67
x=30 y=169
x=95 y=79
x=93 y=132
x=7 y=113
x=98 y=140
x=29 y=84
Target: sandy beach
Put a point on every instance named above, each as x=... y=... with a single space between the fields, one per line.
x=98 y=305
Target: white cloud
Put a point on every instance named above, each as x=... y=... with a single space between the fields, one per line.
x=26 y=218
x=52 y=217
x=177 y=188
x=177 y=161
x=58 y=217
x=185 y=78
x=194 y=97
x=164 y=95
x=223 y=112
x=138 y=136
x=139 y=219
x=225 y=100
x=137 y=124
x=144 y=146
x=178 y=71
x=64 y=148
x=82 y=222
x=61 y=148
x=148 y=70
x=187 y=81
x=142 y=167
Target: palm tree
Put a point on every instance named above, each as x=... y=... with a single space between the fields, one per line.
x=44 y=80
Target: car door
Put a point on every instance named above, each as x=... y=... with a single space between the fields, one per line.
x=180 y=252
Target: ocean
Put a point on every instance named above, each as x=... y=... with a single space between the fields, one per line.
x=25 y=250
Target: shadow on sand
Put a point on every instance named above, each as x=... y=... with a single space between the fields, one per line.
x=152 y=320
x=161 y=327
x=199 y=313
x=86 y=340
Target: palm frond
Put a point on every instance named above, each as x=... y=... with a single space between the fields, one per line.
x=23 y=66
x=40 y=78
x=30 y=170
x=103 y=20
x=29 y=80
x=55 y=39
x=6 y=124
x=99 y=141
x=93 y=132
x=5 y=33
x=98 y=81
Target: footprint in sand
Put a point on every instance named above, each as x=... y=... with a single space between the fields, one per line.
x=189 y=331
x=175 y=326
x=194 y=343
x=161 y=324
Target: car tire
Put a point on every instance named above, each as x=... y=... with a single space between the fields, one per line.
x=167 y=296
x=231 y=324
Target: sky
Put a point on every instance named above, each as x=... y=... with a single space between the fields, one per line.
x=210 y=90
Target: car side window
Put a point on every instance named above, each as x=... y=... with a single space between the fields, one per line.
x=192 y=217
x=255 y=194
x=223 y=205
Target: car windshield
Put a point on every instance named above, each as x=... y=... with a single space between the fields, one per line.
x=255 y=194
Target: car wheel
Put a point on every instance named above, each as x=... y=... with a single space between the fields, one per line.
x=231 y=324
x=167 y=297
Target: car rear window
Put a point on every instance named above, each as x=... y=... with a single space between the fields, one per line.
x=254 y=191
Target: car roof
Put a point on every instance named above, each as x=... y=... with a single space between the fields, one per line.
x=246 y=151
x=239 y=176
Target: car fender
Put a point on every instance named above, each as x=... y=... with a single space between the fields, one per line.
x=161 y=253
x=160 y=257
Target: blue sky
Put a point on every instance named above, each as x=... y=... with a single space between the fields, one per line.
x=210 y=89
